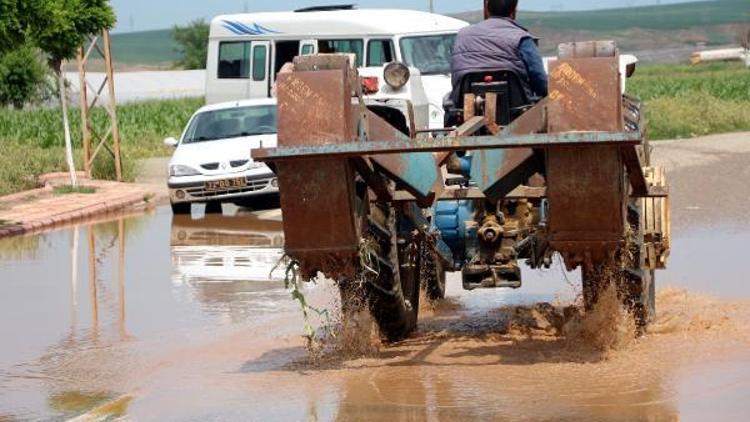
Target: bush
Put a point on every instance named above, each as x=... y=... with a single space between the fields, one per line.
x=22 y=78
x=21 y=164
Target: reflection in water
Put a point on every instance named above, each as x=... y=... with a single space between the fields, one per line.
x=232 y=264
x=224 y=249
x=76 y=367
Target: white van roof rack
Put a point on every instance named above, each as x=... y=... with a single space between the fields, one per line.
x=327 y=8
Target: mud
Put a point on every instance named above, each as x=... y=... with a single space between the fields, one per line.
x=154 y=318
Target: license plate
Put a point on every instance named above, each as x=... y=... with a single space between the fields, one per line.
x=239 y=182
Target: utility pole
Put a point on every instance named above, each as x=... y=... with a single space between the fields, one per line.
x=432 y=6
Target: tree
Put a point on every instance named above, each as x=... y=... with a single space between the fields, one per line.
x=15 y=16
x=59 y=28
x=193 y=44
x=22 y=77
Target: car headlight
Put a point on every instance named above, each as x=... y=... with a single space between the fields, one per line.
x=180 y=170
x=396 y=75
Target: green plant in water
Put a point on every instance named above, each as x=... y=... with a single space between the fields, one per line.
x=292 y=281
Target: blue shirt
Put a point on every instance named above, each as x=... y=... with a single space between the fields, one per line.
x=534 y=66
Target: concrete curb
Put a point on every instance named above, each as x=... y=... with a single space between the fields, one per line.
x=85 y=212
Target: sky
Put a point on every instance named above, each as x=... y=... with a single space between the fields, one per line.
x=142 y=15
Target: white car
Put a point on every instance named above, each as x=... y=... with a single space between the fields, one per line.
x=212 y=164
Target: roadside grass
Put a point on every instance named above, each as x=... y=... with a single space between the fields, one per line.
x=32 y=141
x=68 y=189
x=686 y=101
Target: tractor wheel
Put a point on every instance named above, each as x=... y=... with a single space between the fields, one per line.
x=432 y=275
x=635 y=281
x=389 y=274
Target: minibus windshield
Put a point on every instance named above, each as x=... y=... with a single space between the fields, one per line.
x=431 y=54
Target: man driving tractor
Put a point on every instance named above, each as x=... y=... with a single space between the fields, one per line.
x=499 y=43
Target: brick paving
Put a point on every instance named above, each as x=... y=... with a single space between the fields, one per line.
x=42 y=209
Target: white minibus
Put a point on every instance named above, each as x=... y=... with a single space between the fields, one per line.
x=246 y=51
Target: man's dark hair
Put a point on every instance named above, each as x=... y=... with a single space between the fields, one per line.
x=501 y=8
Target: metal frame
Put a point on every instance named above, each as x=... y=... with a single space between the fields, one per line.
x=449 y=144
x=88 y=132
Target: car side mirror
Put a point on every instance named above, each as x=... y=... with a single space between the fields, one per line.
x=171 y=142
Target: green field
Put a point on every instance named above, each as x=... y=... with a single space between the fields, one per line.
x=663 y=17
x=687 y=101
x=148 y=48
x=32 y=140
x=666 y=17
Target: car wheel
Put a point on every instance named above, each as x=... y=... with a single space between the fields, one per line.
x=182 y=208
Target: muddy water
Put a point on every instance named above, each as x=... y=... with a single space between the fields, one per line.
x=152 y=318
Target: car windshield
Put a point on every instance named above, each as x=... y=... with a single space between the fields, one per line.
x=430 y=54
x=232 y=123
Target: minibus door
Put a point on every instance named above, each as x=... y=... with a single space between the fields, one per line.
x=260 y=80
x=308 y=47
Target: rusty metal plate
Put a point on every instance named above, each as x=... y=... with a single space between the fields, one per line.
x=311 y=106
x=584 y=95
x=319 y=215
x=586 y=193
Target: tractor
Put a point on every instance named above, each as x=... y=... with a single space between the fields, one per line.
x=386 y=210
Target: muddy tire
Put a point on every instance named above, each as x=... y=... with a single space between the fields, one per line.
x=182 y=208
x=388 y=275
x=432 y=274
x=393 y=295
x=639 y=281
x=636 y=282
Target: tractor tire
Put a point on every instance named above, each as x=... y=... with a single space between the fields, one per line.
x=393 y=296
x=392 y=293
x=432 y=275
x=635 y=281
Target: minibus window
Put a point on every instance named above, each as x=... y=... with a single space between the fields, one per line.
x=307 y=49
x=431 y=54
x=285 y=52
x=259 y=62
x=234 y=60
x=342 y=46
x=380 y=52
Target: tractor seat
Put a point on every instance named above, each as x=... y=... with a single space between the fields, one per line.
x=513 y=99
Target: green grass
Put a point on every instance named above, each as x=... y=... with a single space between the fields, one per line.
x=32 y=140
x=68 y=189
x=687 y=101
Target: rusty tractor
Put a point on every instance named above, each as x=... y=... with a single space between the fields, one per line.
x=385 y=209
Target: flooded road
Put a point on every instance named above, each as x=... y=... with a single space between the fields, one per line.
x=150 y=317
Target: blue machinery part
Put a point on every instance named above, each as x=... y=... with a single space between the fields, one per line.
x=451 y=218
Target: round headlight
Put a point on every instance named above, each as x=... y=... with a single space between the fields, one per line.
x=396 y=75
